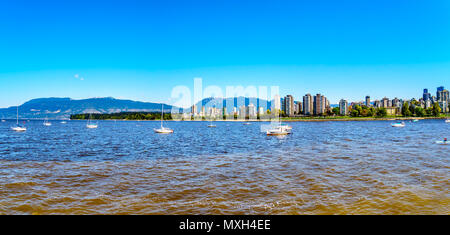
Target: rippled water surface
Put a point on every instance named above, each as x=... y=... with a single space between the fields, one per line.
x=363 y=167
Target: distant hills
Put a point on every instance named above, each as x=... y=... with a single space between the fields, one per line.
x=61 y=108
x=233 y=102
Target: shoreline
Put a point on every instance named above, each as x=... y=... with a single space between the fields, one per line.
x=284 y=120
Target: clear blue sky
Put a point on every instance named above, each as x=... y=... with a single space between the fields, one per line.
x=142 y=49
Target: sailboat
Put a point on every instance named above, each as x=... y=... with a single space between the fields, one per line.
x=18 y=128
x=211 y=124
x=89 y=125
x=280 y=129
x=47 y=123
x=398 y=124
x=163 y=130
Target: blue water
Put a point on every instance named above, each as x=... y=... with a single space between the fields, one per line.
x=330 y=167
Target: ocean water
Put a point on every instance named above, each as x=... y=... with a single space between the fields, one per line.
x=123 y=167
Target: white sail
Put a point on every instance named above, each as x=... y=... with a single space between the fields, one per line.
x=163 y=130
x=18 y=128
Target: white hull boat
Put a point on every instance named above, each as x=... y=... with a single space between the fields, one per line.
x=402 y=124
x=47 y=123
x=17 y=127
x=91 y=126
x=447 y=121
x=163 y=130
x=278 y=131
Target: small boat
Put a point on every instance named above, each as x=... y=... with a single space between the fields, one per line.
x=447 y=121
x=18 y=128
x=89 y=125
x=163 y=130
x=415 y=120
x=442 y=142
x=278 y=131
x=246 y=123
x=47 y=123
x=3 y=120
x=211 y=124
x=63 y=122
x=398 y=124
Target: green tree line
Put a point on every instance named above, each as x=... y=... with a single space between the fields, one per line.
x=122 y=116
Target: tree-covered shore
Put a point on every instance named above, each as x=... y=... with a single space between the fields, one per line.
x=122 y=116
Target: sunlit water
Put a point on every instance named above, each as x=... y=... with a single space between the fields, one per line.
x=363 y=167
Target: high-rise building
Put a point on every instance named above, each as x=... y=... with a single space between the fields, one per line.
x=319 y=104
x=385 y=102
x=396 y=102
x=289 y=105
x=367 y=101
x=426 y=95
x=343 y=107
x=377 y=103
x=442 y=94
x=194 y=109
x=307 y=104
x=299 y=107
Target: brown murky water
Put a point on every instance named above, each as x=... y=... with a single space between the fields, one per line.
x=323 y=168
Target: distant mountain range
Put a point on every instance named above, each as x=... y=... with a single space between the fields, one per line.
x=62 y=108
x=233 y=102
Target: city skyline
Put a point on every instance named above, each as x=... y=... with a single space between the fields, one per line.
x=140 y=50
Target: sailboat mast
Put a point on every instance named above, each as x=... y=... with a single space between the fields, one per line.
x=162 y=114
x=17 y=115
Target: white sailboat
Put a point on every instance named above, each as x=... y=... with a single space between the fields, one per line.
x=47 y=123
x=18 y=128
x=398 y=124
x=163 y=130
x=211 y=123
x=89 y=125
x=280 y=129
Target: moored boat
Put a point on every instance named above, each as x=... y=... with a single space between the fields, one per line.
x=18 y=128
x=163 y=130
x=398 y=124
x=279 y=130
